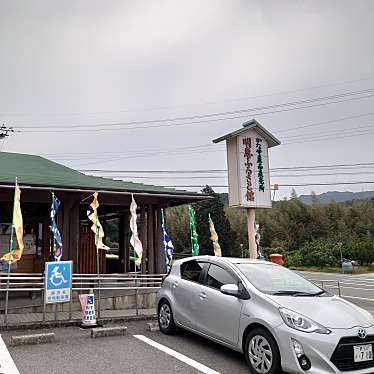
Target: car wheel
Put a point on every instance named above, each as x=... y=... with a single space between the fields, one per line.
x=165 y=318
x=262 y=353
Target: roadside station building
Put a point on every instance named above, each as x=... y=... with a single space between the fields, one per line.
x=38 y=177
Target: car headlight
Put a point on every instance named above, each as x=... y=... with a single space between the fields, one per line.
x=299 y=322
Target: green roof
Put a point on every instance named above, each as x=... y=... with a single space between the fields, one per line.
x=38 y=171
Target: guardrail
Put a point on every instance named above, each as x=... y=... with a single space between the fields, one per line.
x=344 y=287
x=99 y=284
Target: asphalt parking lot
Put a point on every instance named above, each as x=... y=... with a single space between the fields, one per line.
x=75 y=352
x=140 y=350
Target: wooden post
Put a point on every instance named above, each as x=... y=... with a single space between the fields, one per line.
x=121 y=243
x=161 y=262
x=74 y=234
x=159 y=252
x=143 y=238
x=126 y=254
x=150 y=239
x=251 y=233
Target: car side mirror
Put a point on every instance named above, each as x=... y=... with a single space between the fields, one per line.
x=230 y=289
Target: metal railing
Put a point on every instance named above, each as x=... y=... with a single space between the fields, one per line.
x=348 y=288
x=131 y=284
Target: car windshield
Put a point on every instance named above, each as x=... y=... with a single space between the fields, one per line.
x=277 y=280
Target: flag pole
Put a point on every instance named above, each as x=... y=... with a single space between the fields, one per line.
x=54 y=240
x=189 y=213
x=97 y=243
x=98 y=261
x=163 y=237
x=10 y=257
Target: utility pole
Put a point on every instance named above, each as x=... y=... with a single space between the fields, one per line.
x=4 y=132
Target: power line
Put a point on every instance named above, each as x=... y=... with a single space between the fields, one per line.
x=163 y=122
x=74 y=155
x=336 y=134
x=136 y=153
x=225 y=176
x=364 y=164
x=198 y=104
x=324 y=122
x=279 y=184
x=333 y=132
x=323 y=138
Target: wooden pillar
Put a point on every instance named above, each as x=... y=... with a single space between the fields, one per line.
x=251 y=233
x=143 y=238
x=159 y=252
x=121 y=242
x=74 y=234
x=68 y=221
x=150 y=239
x=126 y=252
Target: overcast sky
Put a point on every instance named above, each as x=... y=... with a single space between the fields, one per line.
x=73 y=63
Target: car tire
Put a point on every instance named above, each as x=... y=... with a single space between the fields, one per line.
x=262 y=352
x=165 y=318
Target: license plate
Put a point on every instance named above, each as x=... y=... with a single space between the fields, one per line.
x=362 y=353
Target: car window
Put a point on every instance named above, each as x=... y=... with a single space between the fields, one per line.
x=192 y=270
x=218 y=276
x=270 y=278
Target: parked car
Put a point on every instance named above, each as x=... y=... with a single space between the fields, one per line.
x=278 y=319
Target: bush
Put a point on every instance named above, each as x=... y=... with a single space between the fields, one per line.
x=320 y=253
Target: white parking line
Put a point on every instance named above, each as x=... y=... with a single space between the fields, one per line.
x=7 y=365
x=177 y=355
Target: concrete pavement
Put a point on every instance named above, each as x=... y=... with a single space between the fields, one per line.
x=75 y=352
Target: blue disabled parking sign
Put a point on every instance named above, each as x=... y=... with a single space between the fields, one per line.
x=58 y=277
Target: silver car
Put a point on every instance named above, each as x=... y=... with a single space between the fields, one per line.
x=278 y=319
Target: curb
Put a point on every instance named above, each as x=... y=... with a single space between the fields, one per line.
x=153 y=326
x=42 y=325
x=101 y=332
x=32 y=339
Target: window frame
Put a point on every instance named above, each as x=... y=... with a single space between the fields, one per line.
x=202 y=273
x=206 y=270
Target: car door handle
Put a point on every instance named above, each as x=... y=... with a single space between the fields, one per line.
x=202 y=295
x=175 y=284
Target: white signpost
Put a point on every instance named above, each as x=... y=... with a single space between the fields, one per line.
x=248 y=172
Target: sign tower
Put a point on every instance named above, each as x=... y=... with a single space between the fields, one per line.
x=248 y=172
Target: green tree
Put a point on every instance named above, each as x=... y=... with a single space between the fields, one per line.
x=178 y=225
x=226 y=237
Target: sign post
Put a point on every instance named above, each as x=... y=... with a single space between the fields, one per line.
x=58 y=282
x=248 y=172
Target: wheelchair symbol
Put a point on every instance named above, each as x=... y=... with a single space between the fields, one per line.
x=57 y=278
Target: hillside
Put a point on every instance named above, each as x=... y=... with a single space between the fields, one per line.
x=339 y=197
x=325 y=197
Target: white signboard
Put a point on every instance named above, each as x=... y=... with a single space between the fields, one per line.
x=248 y=171
x=254 y=180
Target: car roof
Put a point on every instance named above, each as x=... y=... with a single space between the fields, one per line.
x=232 y=260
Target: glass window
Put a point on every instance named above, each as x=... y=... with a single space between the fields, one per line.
x=274 y=279
x=192 y=270
x=217 y=277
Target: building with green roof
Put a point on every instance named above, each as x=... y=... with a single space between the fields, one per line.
x=38 y=177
